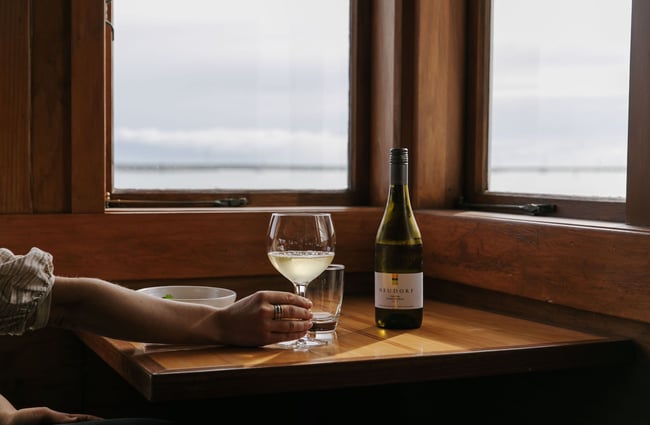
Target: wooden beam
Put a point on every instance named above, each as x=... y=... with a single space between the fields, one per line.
x=383 y=96
x=88 y=106
x=638 y=172
x=437 y=97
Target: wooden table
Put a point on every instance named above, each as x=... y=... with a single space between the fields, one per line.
x=453 y=342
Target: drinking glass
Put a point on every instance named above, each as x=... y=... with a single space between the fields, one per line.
x=326 y=294
x=300 y=246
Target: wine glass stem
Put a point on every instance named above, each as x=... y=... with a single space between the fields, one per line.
x=301 y=344
x=301 y=289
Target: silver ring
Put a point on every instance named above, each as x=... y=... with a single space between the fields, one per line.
x=277 y=311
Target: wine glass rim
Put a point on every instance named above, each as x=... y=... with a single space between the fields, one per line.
x=301 y=213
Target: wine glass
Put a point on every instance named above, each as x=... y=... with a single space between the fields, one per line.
x=300 y=246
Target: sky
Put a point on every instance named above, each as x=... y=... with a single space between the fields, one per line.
x=560 y=82
x=217 y=81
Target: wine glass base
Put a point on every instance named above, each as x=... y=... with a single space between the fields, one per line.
x=303 y=344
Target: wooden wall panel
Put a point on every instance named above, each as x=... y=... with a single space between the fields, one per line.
x=50 y=106
x=160 y=245
x=583 y=266
x=43 y=368
x=14 y=107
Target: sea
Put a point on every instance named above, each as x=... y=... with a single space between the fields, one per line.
x=608 y=182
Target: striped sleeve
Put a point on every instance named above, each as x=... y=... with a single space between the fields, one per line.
x=25 y=290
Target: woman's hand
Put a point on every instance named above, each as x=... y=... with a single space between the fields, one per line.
x=45 y=415
x=255 y=321
x=9 y=415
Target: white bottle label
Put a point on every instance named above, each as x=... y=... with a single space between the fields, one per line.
x=398 y=291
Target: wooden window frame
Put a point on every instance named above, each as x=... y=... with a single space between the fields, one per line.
x=635 y=209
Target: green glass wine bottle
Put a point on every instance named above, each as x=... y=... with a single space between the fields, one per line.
x=398 y=254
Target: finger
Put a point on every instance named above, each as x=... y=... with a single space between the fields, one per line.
x=73 y=418
x=288 y=311
x=290 y=326
x=289 y=298
x=37 y=415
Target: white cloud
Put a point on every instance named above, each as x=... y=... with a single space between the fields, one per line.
x=257 y=145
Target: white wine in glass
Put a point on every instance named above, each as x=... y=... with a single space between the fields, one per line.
x=300 y=246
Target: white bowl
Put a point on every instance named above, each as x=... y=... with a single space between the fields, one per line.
x=217 y=297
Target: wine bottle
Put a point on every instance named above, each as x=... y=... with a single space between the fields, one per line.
x=398 y=254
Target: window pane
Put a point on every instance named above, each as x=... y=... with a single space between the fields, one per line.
x=222 y=94
x=559 y=97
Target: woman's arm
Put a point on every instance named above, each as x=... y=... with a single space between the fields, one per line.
x=105 y=308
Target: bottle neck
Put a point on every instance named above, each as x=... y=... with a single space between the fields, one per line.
x=399 y=174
